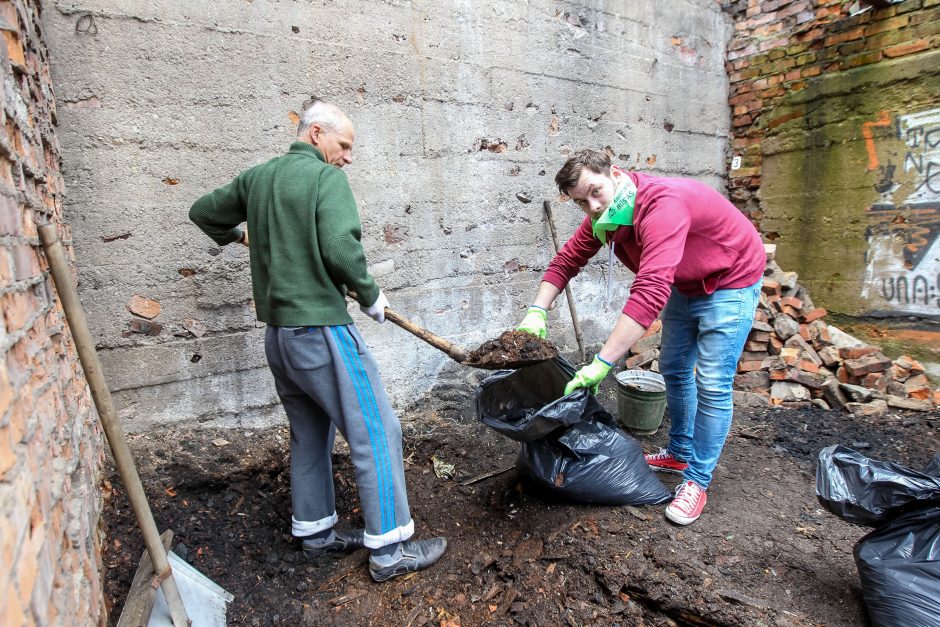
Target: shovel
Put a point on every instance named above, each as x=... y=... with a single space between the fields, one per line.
x=453 y=351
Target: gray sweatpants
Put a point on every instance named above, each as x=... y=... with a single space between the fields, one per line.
x=328 y=379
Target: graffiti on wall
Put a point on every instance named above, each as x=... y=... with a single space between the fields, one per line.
x=902 y=264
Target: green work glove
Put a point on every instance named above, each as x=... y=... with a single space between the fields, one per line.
x=534 y=322
x=589 y=376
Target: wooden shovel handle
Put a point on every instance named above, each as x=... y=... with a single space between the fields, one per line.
x=453 y=351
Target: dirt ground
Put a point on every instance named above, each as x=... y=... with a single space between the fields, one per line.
x=764 y=552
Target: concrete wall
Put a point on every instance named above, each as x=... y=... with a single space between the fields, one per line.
x=837 y=123
x=460 y=108
x=50 y=443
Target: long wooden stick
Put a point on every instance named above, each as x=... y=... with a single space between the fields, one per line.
x=571 y=307
x=123 y=459
x=453 y=351
x=487 y=475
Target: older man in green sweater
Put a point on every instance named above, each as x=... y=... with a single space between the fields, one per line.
x=305 y=254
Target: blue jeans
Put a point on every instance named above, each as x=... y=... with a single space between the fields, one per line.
x=702 y=341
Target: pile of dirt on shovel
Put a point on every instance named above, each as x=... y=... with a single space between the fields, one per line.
x=512 y=349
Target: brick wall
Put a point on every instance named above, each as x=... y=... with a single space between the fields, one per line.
x=50 y=444
x=779 y=44
x=835 y=115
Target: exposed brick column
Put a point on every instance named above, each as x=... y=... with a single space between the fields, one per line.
x=50 y=442
x=779 y=44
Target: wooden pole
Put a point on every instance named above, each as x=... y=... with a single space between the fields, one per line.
x=568 y=295
x=453 y=351
x=123 y=459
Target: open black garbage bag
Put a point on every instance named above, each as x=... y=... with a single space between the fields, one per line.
x=527 y=404
x=899 y=562
x=593 y=461
x=572 y=446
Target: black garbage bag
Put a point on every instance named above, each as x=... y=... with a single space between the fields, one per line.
x=528 y=403
x=572 y=446
x=869 y=492
x=592 y=461
x=899 y=562
x=899 y=566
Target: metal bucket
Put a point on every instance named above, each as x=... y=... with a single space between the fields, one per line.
x=641 y=401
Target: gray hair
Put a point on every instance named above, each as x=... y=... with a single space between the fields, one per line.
x=324 y=114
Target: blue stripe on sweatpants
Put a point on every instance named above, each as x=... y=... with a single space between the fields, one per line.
x=387 y=495
x=363 y=394
x=370 y=413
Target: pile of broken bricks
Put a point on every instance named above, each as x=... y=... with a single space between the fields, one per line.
x=793 y=357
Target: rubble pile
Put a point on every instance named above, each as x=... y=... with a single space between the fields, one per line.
x=793 y=356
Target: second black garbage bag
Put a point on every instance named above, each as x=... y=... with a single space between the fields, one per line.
x=572 y=447
x=899 y=562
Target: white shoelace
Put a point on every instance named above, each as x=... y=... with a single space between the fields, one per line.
x=686 y=497
x=661 y=455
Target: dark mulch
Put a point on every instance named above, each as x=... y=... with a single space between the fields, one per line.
x=765 y=552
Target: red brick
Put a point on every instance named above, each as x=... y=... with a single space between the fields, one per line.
x=750 y=366
x=16 y=310
x=14 y=48
x=910 y=364
x=789 y=311
x=643 y=359
x=755 y=346
x=843 y=375
x=917 y=387
x=906 y=49
x=770 y=287
x=828 y=11
x=890 y=24
x=812 y=34
x=857 y=352
x=875 y=381
x=808 y=365
x=813 y=315
x=850 y=35
x=790 y=356
x=875 y=362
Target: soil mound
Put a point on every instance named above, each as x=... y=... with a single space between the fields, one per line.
x=512 y=349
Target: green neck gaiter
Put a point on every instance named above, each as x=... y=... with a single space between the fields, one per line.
x=619 y=213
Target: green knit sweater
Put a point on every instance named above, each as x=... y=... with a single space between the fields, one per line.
x=304 y=234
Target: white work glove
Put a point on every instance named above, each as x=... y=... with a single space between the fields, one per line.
x=377 y=310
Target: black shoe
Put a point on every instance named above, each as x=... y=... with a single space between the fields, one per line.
x=344 y=542
x=416 y=555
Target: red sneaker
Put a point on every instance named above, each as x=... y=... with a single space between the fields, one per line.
x=687 y=505
x=665 y=461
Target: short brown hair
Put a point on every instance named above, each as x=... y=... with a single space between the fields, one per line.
x=569 y=173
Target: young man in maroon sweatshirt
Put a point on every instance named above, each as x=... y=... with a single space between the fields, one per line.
x=699 y=262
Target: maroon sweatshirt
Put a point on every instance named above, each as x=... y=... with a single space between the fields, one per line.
x=684 y=233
